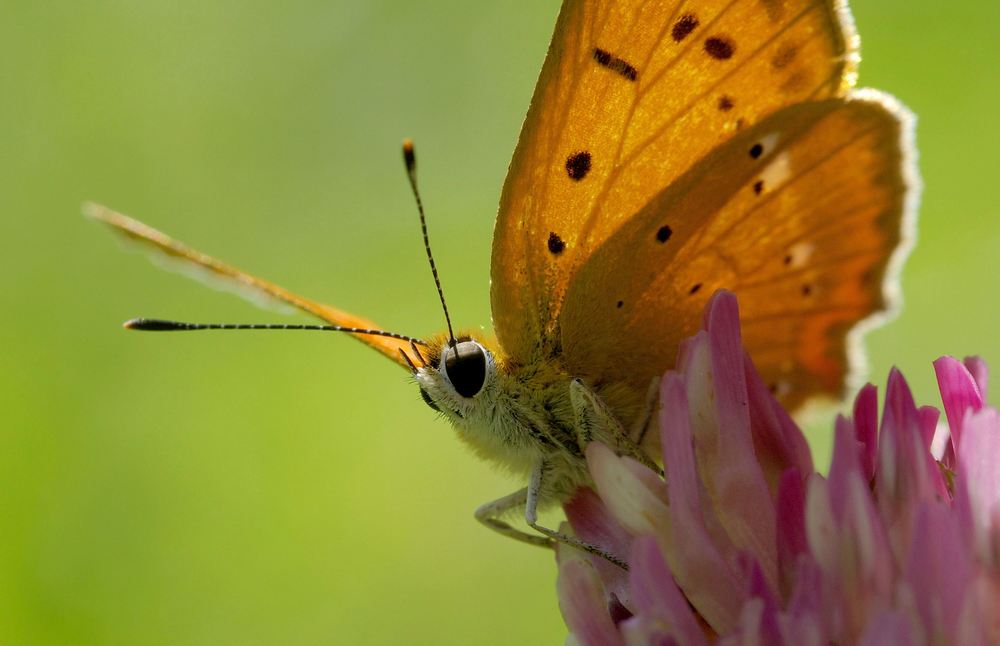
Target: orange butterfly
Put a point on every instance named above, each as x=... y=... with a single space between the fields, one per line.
x=671 y=149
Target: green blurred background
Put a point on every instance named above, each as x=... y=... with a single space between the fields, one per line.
x=293 y=489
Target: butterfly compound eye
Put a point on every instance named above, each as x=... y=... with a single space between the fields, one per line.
x=465 y=367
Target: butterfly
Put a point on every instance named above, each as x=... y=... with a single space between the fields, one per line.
x=671 y=149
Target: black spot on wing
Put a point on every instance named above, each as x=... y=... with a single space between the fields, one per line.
x=556 y=244
x=664 y=233
x=756 y=151
x=683 y=27
x=719 y=47
x=578 y=165
x=725 y=104
x=617 y=65
x=694 y=289
x=758 y=187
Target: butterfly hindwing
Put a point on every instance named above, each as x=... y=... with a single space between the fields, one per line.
x=630 y=96
x=798 y=216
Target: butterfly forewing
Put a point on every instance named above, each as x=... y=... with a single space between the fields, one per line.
x=798 y=216
x=630 y=96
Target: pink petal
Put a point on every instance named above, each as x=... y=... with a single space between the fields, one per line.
x=757 y=586
x=582 y=600
x=978 y=479
x=980 y=623
x=698 y=566
x=821 y=527
x=778 y=442
x=959 y=393
x=593 y=522
x=846 y=463
x=767 y=629
x=979 y=371
x=938 y=569
x=865 y=553
x=907 y=473
x=807 y=598
x=848 y=540
x=867 y=540
x=863 y=560
x=731 y=472
x=803 y=631
x=866 y=426
x=656 y=596
x=890 y=628
x=635 y=495
x=641 y=631
x=749 y=631
x=791 y=519
x=849 y=544
x=929 y=417
x=677 y=442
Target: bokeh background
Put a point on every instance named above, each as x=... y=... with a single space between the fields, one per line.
x=292 y=488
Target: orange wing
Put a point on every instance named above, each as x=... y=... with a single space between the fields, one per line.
x=248 y=285
x=630 y=96
x=798 y=216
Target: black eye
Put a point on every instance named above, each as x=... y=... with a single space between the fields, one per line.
x=465 y=367
x=428 y=400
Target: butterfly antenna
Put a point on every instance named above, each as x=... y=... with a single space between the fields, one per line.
x=411 y=171
x=160 y=325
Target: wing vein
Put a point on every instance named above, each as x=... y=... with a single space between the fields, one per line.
x=812 y=267
x=773 y=194
x=750 y=321
x=697 y=99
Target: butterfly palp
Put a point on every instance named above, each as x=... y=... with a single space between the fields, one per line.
x=409 y=362
x=427 y=400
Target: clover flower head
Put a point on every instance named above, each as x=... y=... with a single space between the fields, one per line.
x=743 y=542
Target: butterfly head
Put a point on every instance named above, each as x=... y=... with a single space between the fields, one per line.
x=458 y=379
x=486 y=399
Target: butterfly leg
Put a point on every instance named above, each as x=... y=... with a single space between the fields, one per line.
x=531 y=517
x=491 y=515
x=595 y=421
